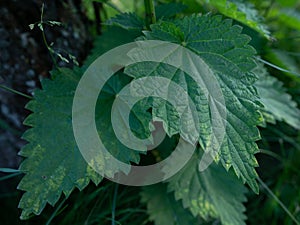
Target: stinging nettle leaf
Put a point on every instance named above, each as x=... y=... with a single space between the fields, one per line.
x=128 y=21
x=53 y=166
x=243 y=12
x=163 y=209
x=278 y=104
x=227 y=53
x=169 y=10
x=213 y=193
x=112 y=37
x=53 y=161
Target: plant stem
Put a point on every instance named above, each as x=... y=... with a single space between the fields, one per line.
x=10 y=176
x=113 y=211
x=44 y=38
x=278 y=201
x=269 y=8
x=56 y=211
x=150 y=13
x=15 y=92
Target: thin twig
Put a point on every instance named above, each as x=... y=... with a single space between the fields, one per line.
x=113 y=210
x=15 y=92
x=56 y=211
x=44 y=38
x=278 y=201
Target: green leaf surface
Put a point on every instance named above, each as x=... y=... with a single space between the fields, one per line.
x=213 y=193
x=227 y=53
x=103 y=119
x=278 y=104
x=128 y=21
x=112 y=37
x=243 y=12
x=163 y=209
x=164 y=111
x=169 y=10
x=53 y=161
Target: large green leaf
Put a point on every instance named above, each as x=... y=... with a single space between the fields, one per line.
x=53 y=161
x=227 y=53
x=278 y=104
x=163 y=209
x=213 y=193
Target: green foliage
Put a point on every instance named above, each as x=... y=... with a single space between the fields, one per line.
x=112 y=37
x=54 y=165
x=278 y=104
x=169 y=10
x=228 y=54
x=163 y=208
x=127 y=21
x=212 y=193
x=288 y=16
x=243 y=12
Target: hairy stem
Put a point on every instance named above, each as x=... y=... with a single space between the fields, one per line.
x=150 y=13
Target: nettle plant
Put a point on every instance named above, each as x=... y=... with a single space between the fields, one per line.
x=54 y=166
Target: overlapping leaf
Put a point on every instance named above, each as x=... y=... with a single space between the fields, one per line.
x=243 y=12
x=169 y=10
x=227 y=53
x=53 y=161
x=55 y=165
x=112 y=37
x=128 y=21
x=163 y=208
x=278 y=104
x=213 y=193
